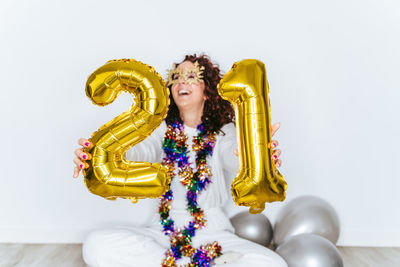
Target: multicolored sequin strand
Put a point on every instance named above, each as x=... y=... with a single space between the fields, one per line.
x=176 y=151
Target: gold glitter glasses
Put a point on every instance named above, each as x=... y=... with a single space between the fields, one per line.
x=190 y=75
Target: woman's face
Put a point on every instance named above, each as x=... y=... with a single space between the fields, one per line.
x=188 y=87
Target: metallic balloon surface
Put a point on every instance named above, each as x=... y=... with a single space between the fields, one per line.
x=253 y=227
x=309 y=250
x=306 y=214
x=258 y=180
x=109 y=174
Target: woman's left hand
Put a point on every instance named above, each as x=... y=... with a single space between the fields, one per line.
x=273 y=144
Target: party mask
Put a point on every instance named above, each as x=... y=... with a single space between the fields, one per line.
x=190 y=75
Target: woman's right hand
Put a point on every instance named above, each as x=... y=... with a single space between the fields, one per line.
x=81 y=156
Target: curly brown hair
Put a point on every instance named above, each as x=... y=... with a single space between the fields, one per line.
x=217 y=112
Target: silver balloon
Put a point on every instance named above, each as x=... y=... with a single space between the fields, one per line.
x=253 y=227
x=306 y=215
x=309 y=250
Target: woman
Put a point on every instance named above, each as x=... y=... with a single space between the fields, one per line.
x=197 y=144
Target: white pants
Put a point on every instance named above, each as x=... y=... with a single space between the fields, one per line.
x=145 y=247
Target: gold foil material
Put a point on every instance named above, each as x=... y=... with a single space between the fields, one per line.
x=191 y=75
x=258 y=180
x=109 y=174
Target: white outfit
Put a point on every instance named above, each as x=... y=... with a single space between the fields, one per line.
x=146 y=246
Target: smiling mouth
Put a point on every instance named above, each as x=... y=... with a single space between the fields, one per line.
x=183 y=92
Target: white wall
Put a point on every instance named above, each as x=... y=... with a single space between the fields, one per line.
x=333 y=69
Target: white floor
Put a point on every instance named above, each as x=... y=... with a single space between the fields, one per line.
x=22 y=255
x=50 y=255
x=370 y=257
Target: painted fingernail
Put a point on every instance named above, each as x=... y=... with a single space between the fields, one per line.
x=81 y=166
x=275 y=156
x=87 y=144
x=273 y=145
x=84 y=156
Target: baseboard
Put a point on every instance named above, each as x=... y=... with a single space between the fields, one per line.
x=353 y=238
x=368 y=238
x=43 y=235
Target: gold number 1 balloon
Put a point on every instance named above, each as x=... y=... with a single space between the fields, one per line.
x=109 y=174
x=258 y=180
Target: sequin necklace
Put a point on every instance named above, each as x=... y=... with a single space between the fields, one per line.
x=175 y=149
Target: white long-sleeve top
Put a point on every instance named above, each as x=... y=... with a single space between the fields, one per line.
x=146 y=246
x=223 y=164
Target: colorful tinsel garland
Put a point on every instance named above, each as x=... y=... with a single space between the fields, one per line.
x=175 y=149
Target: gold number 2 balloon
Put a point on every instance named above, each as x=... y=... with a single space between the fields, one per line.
x=109 y=174
x=258 y=180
